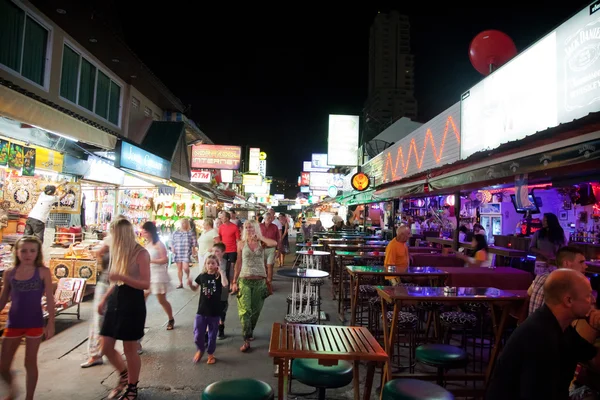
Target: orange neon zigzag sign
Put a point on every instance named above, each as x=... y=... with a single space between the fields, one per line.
x=413 y=148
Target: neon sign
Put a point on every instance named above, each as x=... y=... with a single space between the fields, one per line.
x=432 y=145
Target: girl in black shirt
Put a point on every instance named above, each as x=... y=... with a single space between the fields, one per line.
x=211 y=285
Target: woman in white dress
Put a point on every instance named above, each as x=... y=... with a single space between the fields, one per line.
x=160 y=282
x=206 y=240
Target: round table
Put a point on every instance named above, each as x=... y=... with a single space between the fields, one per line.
x=304 y=303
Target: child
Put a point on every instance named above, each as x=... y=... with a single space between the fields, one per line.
x=219 y=250
x=25 y=284
x=211 y=283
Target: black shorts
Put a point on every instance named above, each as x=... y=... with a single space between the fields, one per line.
x=125 y=315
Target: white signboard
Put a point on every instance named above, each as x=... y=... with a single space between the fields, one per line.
x=103 y=171
x=322 y=181
x=227 y=176
x=262 y=168
x=307 y=167
x=555 y=81
x=432 y=145
x=200 y=177
x=320 y=161
x=342 y=144
x=254 y=160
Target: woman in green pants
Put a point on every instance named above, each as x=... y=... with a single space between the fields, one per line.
x=250 y=278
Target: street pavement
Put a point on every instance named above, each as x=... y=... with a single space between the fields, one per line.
x=167 y=368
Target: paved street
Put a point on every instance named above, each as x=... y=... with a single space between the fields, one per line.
x=167 y=371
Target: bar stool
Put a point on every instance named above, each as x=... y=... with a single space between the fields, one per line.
x=311 y=373
x=238 y=389
x=442 y=357
x=414 y=389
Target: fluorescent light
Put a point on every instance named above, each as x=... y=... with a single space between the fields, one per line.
x=65 y=137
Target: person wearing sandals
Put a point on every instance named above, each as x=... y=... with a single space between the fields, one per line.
x=160 y=281
x=250 y=278
x=211 y=283
x=124 y=307
x=183 y=244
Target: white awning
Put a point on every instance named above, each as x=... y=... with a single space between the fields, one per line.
x=21 y=108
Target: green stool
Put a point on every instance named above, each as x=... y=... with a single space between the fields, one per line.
x=238 y=389
x=310 y=373
x=414 y=389
x=442 y=357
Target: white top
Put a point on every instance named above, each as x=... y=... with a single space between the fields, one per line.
x=42 y=208
x=277 y=223
x=206 y=241
x=336 y=219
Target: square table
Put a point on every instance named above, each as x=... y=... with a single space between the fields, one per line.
x=357 y=272
x=399 y=294
x=328 y=344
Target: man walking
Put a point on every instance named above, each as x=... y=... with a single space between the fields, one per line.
x=229 y=235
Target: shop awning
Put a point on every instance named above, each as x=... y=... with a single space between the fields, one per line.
x=206 y=194
x=167 y=140
x=22 y=108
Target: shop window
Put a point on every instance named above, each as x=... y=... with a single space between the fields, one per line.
x=23 y=43
x=102 y=91
x=84 y=84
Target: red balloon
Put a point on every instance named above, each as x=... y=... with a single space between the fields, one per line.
x=491 y=48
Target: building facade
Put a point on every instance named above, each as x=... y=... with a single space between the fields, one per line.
x=391 y=74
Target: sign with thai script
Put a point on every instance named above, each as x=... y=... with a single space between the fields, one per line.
x=140 y=160
x=214 y=156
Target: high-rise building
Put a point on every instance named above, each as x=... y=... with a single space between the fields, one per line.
x=391 y=74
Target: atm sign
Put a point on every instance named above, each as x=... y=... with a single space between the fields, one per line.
x=200 y=176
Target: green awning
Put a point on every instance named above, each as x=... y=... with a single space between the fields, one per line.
x=162 y=138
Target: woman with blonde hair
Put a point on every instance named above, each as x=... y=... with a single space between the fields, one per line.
x=250 y=278
x=183 y=244
x=124 y=307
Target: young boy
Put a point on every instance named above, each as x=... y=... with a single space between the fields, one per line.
x=218 y=251
x=211 y=283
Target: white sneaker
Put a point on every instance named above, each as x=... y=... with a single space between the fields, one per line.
x=92 y=362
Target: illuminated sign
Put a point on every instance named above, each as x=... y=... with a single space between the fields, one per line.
x=136 y=159
x=332 y=191
x=226 y=176
x=554 y=81
x=200 y=177
x=103 y=171
x=360 y=181
x=252 y=180
x=304 y=179
x=262 y=156
x=254 y=160
x=262 y=167
x=322 y=181
x=307 y=167
x=48 y=159
x=342 y=144
x=319 y=161
x=212 y=156
x=432 y=145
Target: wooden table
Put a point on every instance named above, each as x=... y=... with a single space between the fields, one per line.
x=328 y=344
x=341 y=255
x=449 y=242
x=495 y=297
x=357 y=272
x=507 y=252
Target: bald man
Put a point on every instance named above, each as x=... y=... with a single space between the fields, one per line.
x=540 y=357
x=396 y=252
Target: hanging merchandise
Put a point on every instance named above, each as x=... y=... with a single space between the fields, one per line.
x=29 y=161
x=15 y=156
x=4 y=150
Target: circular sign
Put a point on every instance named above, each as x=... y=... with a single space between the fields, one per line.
x=360 y=181
x=262 y=156
x=332 y=191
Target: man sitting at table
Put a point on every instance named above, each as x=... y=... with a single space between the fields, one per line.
x=396 y=252
x=567 y=257
x=540 y=357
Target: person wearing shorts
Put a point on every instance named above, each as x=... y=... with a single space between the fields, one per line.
x=270 y=231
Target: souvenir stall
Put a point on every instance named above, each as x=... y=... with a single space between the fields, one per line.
x=171 y=207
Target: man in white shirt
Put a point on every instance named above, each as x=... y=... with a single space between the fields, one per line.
x=337 y=219
x=36 y=221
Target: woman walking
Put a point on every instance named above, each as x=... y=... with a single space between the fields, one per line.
x=183 y=244
x=160 y=281
x=250 y=278
x=284 y=243
x=24 y=285
x=124 y=307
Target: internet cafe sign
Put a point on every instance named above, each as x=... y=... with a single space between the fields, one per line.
x=136 y=159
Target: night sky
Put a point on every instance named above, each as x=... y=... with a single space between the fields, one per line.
x=269 y=77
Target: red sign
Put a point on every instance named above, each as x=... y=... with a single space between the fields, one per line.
x=200 y=177
x=305 y=179
x=212 y=156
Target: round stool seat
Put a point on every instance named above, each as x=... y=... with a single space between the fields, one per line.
x=310 y=373
x=302 y=318
x=367 y=289
x=405 y=319
x=441 y=355
x=242 y=389
x=458 y=318
x=414 y=389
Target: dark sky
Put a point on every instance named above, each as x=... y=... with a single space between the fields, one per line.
x=269 y=76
